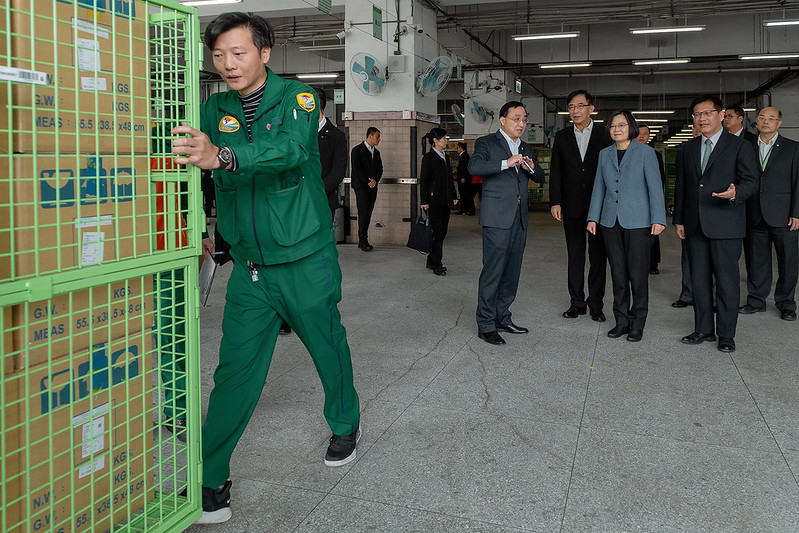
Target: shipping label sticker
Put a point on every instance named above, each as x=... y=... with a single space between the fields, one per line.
x=88 y=27
x=88 y=59
x=94 y=466
x=23 y=75
x=229 y=124
x=92 y=249
x=93 y=84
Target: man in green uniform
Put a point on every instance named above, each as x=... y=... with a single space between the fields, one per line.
x=261 y=140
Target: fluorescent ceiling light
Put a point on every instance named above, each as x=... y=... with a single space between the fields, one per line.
x=750 y=109
x=783 y=22
x=565 y=65
x=768 y=56
x=667 y=29
x=542 y=36
x=663 y=112
x=676 y=61
x=566 y=113
x=456 y=140
x=656 y=119
x=318 y=47
x=316 y=76
x=197 y=3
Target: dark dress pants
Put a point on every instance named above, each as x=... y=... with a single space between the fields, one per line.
x=715 y=259
x=575 y=231
x=503 y=250
x=654 y=255
x=439 y=221
x=365 y=198
x=759 y=273
x=628 y=254
x=685 y=291
x=467 y=197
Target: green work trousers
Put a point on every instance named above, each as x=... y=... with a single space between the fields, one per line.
x=305 y=293
x=170 y=304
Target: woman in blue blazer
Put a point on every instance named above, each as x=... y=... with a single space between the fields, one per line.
x=628 y=202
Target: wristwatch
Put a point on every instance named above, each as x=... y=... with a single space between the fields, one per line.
x=225 y=157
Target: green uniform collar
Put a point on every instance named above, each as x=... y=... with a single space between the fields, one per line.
x=230 y=102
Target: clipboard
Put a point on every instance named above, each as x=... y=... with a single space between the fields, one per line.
x=207 y=271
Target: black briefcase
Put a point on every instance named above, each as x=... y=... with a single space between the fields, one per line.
x=421 y=236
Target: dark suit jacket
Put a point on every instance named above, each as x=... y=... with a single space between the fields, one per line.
x=463 y=169
x=778 y=196
x=733 y=160
x=333 y=154
x=365 y=167
x=503 y=190
x=570 y=179
x=435 y=180
x=749 y=136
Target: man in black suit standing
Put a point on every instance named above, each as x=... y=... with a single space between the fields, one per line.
x=716 y=173
x=571 y=180
x=772 y=217
x=465 y=181
x=734 y=123
x=505 y=163
x=332 y=153
x=367 y=169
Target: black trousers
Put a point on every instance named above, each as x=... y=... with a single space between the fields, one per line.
x=759 y=273
x=628 y=254
x=576 y=235
x=715 y=260
x=439 y=222
x=654 y=255
x=686 y=295
x=467 y=197
x=365 y=199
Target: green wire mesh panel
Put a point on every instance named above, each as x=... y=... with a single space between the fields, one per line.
x=99 y=238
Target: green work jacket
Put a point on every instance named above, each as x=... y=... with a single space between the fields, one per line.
x=273 y=208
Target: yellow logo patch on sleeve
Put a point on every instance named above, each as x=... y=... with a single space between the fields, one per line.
x=229 y=124
x=306 y=101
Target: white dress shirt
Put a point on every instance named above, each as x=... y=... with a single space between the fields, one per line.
x=764 y=149
x=512 y=145
x=583 y=137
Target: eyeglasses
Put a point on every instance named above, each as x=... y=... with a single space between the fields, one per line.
x=517 y=120
x=707 y=114
x=577 y=107
x=761 y=118
x=618 y=126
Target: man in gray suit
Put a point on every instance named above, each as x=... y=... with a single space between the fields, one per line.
x=505 y=163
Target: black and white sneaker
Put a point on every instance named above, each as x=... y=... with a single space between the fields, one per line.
x=342 y=448
x=177 y=426
x=216 y=505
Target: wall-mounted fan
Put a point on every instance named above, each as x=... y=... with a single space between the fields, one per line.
x=457 y=113
x=479 y=113
x=368 y=74
x=435 y=77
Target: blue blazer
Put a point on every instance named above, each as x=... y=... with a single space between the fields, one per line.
x=632 y=192
x=503 y=190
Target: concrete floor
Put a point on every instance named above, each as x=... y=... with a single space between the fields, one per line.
x=560 y=430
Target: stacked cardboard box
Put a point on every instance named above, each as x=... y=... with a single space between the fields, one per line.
x=79 y=440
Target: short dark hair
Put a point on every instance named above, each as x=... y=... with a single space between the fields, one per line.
x=435 y=133
x=262 y=34
x=320 y=92
x=632 y=125
x=738 y=110
x=578 y=92
x=715 y=100
x=503 y=112
x=370 y=130
x=643 y=126
x=462 y=145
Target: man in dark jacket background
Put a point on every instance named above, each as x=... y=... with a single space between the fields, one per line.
x=332 y=153
x=367 y=169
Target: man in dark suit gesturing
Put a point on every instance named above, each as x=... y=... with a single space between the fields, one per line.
x=575 y=153
x=505 y=164
x=772 y=215
x=716 y=173
x=367 y=169
x=332 y=153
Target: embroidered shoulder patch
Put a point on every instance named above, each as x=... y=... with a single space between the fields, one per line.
x=229 y=124
x=306 y=101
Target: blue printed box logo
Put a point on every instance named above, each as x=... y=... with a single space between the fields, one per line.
x=95 y=185
x=67 y=386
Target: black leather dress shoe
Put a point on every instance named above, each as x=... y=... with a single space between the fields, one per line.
x=491 y=337
x=726 y=345
x=635 y=335
x=617 y=331
x=440 y=271
x=573 y=312
x=513 y=328
x=434 y=268
x=598 y=316
x=698 y=338
x=749 y=309
x=681 y=303
x=788 y=315
x=654 y=271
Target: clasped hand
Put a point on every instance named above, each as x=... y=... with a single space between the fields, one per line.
x=518 y=159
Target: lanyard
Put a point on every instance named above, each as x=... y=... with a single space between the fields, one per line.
x=764 y=158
